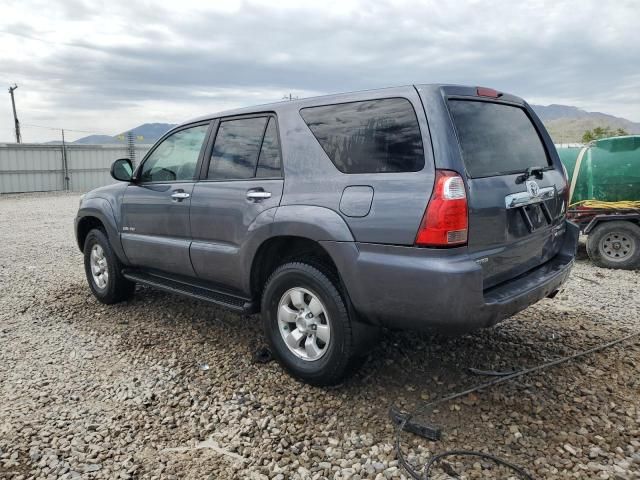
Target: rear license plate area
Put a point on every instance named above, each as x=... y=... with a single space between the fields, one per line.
x=535 y=216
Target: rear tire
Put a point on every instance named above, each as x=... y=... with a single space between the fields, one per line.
x=307 y=324
x=104 y=270
x=615 y=244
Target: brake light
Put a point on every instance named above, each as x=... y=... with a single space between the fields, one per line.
x=445 y=222
x=487 y=92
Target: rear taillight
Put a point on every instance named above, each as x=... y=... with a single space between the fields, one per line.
x=445 y=222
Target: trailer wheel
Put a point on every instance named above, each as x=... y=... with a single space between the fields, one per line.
x=615 y=244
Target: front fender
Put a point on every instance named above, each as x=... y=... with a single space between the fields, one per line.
x=100 y=208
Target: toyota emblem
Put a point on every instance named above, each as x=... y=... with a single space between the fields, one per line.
x=533 y=188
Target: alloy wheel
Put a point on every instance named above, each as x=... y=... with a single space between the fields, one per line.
x=99 y=267
x=304 y=324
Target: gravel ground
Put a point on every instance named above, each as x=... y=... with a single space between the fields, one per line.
x=93 y=391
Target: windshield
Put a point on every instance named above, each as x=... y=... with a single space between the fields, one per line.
x=496 y=139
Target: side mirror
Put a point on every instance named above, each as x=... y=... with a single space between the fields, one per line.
x=122 y=170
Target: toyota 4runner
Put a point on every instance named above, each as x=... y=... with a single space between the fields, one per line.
x=427 y=207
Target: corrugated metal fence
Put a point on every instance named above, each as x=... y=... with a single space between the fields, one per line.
x=42 y=168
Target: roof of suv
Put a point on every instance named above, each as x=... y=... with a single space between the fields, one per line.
x=299 y=103
x=333 y=98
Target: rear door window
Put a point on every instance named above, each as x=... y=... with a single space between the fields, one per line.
x=373 y=136
x=496 y=139
x=236 y=148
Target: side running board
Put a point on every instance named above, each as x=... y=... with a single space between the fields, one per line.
x=200 y=292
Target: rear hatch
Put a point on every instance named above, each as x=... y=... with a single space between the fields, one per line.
x=515 y=188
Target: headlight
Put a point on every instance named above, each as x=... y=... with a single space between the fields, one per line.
x=81 y=198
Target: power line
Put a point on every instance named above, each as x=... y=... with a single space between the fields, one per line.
x=65 y=129
x=33 y=125
x=48 y=41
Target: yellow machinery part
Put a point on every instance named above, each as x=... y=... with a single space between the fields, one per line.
x=623 y=205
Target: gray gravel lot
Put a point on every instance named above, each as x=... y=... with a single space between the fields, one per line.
x=93 y=391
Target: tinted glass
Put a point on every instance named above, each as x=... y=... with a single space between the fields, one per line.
x=269 y=160
x=235 y=152
x=374 y=136
x=496 y=139
x=176 y=157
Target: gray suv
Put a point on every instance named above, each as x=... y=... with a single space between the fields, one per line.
x=426 y=207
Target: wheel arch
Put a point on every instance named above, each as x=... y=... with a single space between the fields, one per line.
x=280 y=249
x=598 y=220
x=282 y=231
x=97 y=212
x=313 y=222
x=615 y=256
x=84 y=226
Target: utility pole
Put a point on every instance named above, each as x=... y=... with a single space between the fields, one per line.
x=65 y=163
x=15 y=115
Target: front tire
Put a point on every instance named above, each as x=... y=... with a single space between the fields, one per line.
x=104 y=270
x=615 y=244
x=307 y=324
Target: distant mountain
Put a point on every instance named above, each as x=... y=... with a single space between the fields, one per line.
x=150 y=133
x=97 y=140
x=566 y=124
x=555 y=112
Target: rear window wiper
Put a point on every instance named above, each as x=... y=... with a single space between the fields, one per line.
x=536 y=172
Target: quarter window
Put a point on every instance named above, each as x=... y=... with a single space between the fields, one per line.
x=269 y=160
x=175 y=159
x=373 y=136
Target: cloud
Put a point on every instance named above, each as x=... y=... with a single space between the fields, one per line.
x=110 y=66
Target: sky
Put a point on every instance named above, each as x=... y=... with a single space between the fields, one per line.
x=105 y=67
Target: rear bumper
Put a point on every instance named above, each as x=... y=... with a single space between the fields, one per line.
x=425 y=289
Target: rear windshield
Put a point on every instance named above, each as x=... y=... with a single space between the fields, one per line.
x=496 y=139
x=373 y=136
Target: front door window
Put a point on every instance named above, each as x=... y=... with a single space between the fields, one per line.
x=175 y=159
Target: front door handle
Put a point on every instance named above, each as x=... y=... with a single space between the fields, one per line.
x=258 y=195
x=179 y=196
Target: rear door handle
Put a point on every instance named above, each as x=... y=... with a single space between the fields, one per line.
x=180 y=195
x=258 y=195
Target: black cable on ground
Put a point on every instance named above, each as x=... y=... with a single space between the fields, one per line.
x=516 y=469
x=469 y=453
x=491 y=373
